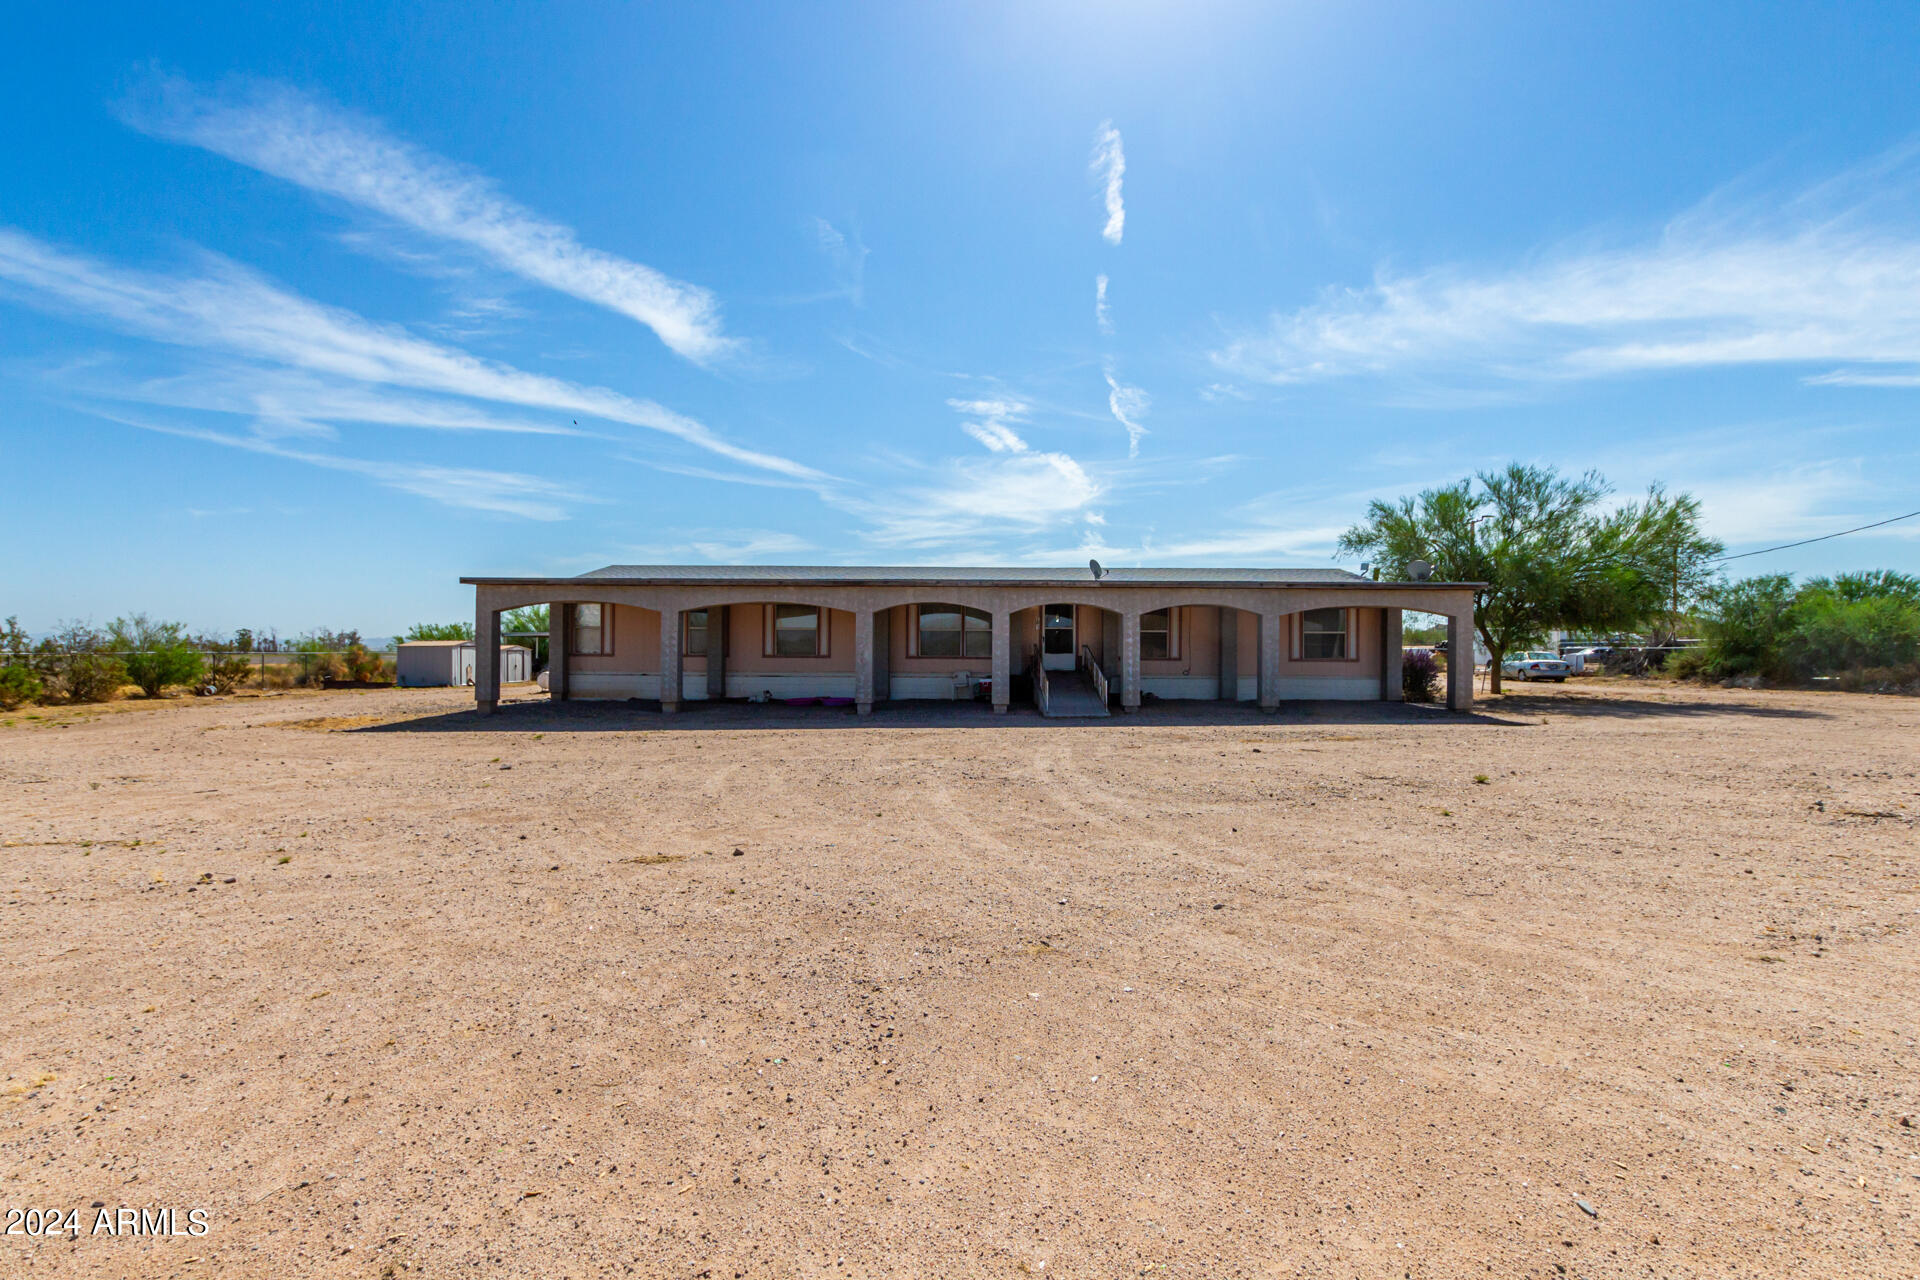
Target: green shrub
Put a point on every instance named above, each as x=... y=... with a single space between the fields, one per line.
x=1747 y=624
x=1691 y=664
x=1419 y=677
x=1852 y=622
x=19 y=685
x=157 y=653
x=156 y=669
x=1832 y=633
x=226 y=672
x=77 y=664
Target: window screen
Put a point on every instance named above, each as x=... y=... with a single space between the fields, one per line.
x=796 y=631
x=1323 y=634
x=591 y=635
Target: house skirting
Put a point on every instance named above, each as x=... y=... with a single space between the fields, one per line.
x=620 y=685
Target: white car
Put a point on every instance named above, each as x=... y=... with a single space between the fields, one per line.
x=1537 y=665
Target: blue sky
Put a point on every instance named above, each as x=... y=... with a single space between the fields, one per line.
x=304 y=312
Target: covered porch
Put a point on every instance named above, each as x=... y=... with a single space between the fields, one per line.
x=693 y=634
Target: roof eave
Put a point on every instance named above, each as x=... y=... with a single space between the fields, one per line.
x=1358 y=584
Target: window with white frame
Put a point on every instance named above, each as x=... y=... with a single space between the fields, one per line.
x=1159 y=634
x=696 y=638
x=949 y=631
x=796 y=631
x=1323 y=634
x=592 y=629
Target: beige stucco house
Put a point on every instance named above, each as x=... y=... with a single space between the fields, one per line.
x=683 y=634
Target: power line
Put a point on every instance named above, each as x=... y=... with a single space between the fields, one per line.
x=1822 y=538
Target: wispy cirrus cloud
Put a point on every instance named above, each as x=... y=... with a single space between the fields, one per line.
x=1128 y=404
x=988 y=422
x=848 y=254
x=713 y=546
x=1109 y=164
x=290 y=135
x=1255 y=544
x=510 y=493
x=1102 y=317
x=968 y=506
x=226 y=307
x=288 y=403
x=1827 y=274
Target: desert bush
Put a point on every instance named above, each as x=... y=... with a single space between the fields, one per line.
x=1850 y=623
x=154 y=670
x=312 y=668
x=1901 y=679
x=226 y=672
x=1746 y=625
x=1691 y=664
x=318 y=656
x=1419 y=677
x=362 y=664
x=77 y=664
x=18 y=685
x=1833 y=633
x=157 y=653
x=279 y=675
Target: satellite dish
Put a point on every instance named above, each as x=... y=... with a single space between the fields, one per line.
x=1419 y=570
x=1098 y=572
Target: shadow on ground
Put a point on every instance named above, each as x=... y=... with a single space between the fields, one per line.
x=541 y=716
x=1562 y=704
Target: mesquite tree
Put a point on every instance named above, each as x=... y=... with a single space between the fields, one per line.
x=1549 y=555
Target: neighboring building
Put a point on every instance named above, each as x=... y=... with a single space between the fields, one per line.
x=421 y=663
x=691 y=633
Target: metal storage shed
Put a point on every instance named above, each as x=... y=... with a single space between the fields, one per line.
x=422 y=663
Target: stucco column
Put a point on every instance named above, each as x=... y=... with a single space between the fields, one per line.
x=1229 y=654
x=1002 y=661
x=1129 y=661
x=863 y=661
x=717 y=652
x=486 y=654
x=1392 y=652
x=670 y=664
x=1460 y=660
x=559 y=649
x=1271 y=629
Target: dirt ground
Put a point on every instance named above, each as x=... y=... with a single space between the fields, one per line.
x=1605 y=980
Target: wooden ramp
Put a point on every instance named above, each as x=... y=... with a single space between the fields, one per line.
x=1072 y=697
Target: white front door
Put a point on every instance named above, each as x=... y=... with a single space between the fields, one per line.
x=1057 y=648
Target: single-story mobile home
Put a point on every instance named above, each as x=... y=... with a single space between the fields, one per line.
x=426 y=663
x=691 y=633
